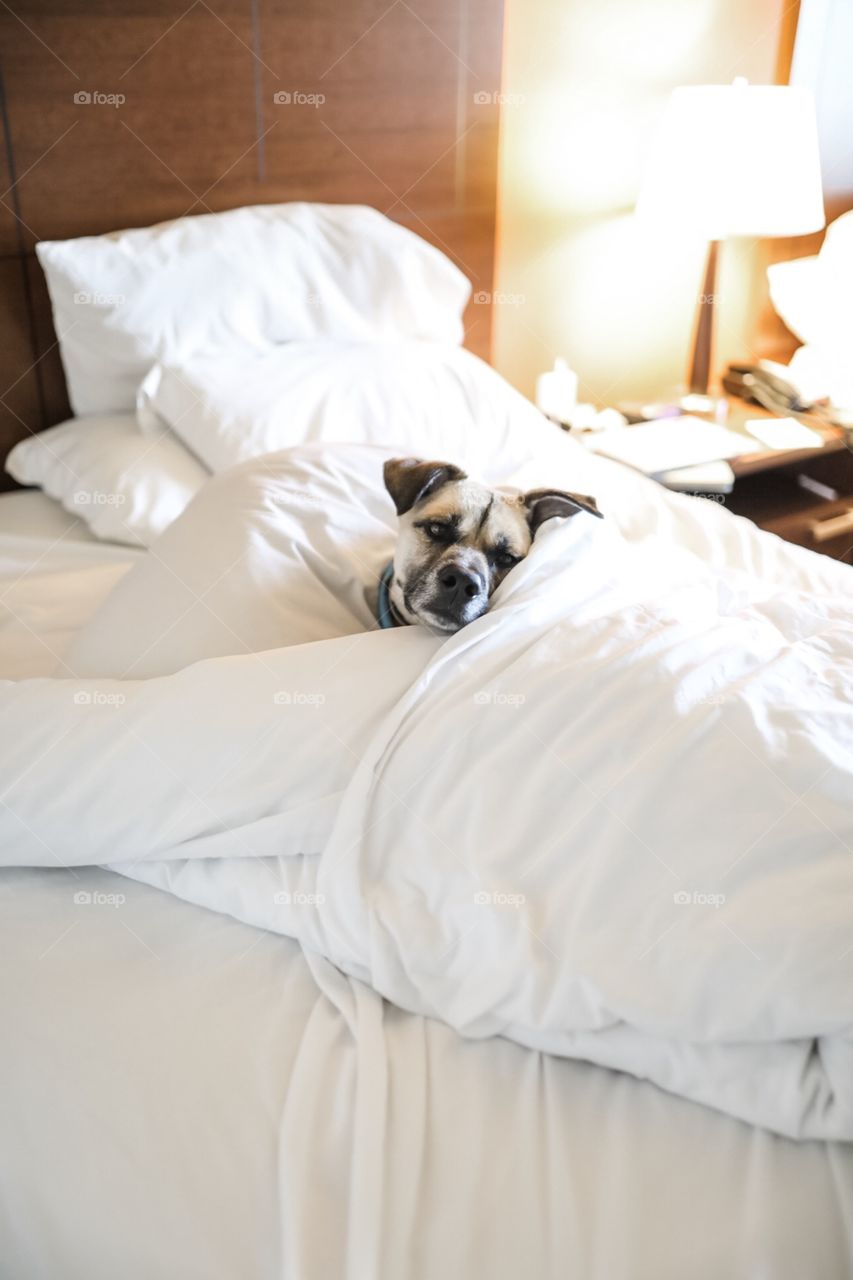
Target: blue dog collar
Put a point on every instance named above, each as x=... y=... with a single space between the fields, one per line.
x=384 y=612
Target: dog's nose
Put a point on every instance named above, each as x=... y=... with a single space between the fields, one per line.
x=458 y=584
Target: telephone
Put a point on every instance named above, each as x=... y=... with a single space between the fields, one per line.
x=756 y=384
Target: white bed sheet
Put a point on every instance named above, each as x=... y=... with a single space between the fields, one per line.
x=274 y=1125
x=288 y=1122
x=53 y=575
x=29 y=513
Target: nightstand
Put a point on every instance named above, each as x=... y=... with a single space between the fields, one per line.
x=804 y=496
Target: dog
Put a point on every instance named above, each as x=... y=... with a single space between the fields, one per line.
x=457 y=541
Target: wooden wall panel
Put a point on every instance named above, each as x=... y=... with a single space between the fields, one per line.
x=48 y=371
x=22 y=403
x=10 y=230
x=395 y=122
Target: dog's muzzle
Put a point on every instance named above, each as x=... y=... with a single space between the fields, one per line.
x=458 y=593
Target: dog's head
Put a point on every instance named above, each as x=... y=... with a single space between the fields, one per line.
x=459 y=539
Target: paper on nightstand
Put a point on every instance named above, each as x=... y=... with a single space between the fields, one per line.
x=671 y=443
x=708 y=477
x=784 y=433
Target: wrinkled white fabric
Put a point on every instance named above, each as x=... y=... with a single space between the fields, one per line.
x=611 y=819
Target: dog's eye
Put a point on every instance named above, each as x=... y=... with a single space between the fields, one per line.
x=505 y=560
x=438 y=531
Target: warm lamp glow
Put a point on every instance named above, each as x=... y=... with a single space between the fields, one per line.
x=736 y=160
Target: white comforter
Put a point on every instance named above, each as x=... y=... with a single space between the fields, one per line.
x=611 y=819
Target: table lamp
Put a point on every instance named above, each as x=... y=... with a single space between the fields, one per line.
x=733 y=160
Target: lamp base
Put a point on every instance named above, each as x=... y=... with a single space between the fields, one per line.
x=698 y=378
x=714 y=408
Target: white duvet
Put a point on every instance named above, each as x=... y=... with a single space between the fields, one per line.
x=612 y=819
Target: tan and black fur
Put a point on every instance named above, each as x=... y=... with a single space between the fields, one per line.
x=459 y=539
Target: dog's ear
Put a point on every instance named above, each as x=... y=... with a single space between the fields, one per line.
x=544 y=504
x=409 y=480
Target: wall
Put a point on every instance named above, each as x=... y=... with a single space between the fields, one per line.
x=584 y=82
x=822 y=62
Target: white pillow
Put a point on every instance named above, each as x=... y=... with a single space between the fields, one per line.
x=224 y=282
x=814 y=296
x=795 y=294
x=413 y=397
x=126 y=486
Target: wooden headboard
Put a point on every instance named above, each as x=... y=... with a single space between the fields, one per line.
x=117 y=116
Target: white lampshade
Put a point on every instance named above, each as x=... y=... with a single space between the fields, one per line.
x=736 y=160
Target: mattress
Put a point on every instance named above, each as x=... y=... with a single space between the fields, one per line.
x=182 y=1094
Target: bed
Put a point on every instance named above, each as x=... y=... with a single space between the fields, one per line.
x=184 y=1094
x=184 y=1090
